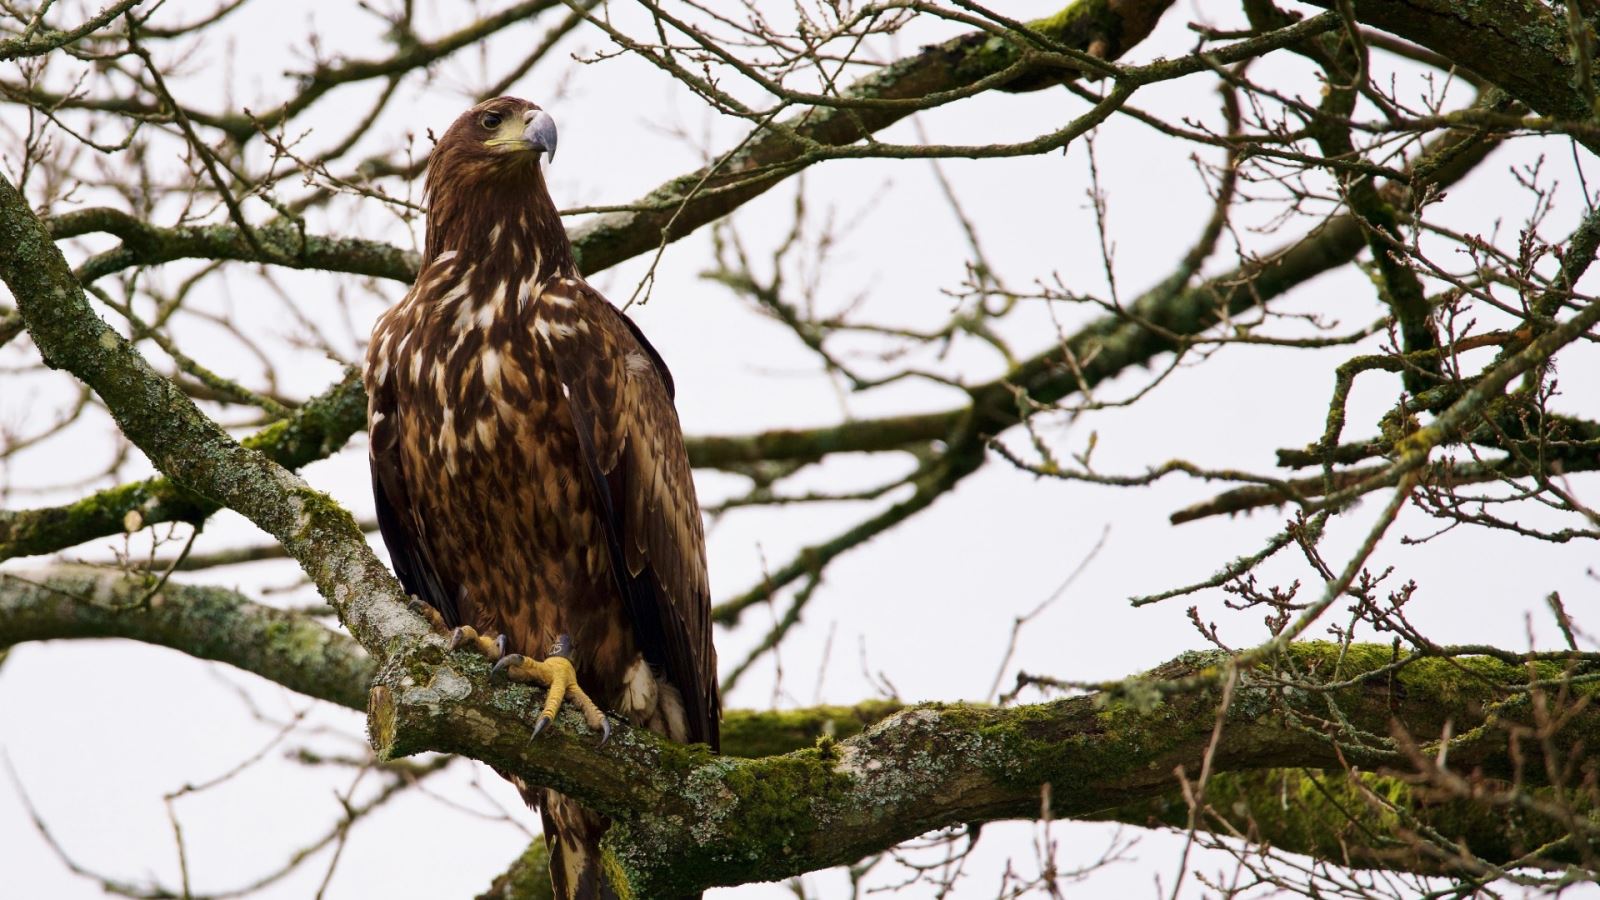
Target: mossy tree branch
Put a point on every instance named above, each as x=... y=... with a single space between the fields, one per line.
x=934 y=766
x=294 y=650
x=1366 y=820
x=71 y=602
x=283 y=243
x=1278 y=780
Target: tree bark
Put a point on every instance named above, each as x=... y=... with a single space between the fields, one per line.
x=803 y=789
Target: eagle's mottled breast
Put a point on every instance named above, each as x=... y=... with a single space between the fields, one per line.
x=492 y=459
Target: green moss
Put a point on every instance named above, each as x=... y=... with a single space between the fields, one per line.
x=774 y=801
x=774 y=795
x=1455 y=681
x=615 y=874
x=320 y=514
x=751 y=733
x=318 y=428
x=1066 y=21
x=679 y=758
x=381 y=721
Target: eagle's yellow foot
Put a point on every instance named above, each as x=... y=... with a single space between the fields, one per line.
x=423 y=609
x=556 y=673
x=491 y=648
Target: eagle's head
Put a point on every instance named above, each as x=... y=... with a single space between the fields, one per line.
x=496 y=139
x=484 y=184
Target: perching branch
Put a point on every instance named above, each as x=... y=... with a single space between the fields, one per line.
x=935 y=766
x=1106 y=757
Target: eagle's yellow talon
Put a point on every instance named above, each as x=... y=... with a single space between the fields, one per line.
x=558 y=675
x=559 y=678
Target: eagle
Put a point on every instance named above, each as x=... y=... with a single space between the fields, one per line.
x=529 y=469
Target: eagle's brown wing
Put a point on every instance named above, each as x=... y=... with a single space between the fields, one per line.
x=397 y=519
x=620 y=396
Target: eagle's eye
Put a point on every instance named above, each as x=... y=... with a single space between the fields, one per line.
x=491 y=121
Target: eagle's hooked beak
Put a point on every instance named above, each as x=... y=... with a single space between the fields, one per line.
x=541 y=132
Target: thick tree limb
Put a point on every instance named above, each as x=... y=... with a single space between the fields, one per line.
x=934 y=766
x=1356 y=819
x=988 y=753
x=295 y=651
x=76 y=602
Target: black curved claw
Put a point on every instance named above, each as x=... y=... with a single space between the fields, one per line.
x=502 y=646
x=605 y=731
x=539 y=726
x=498 y=673
x=458 y=638
x=419 y=607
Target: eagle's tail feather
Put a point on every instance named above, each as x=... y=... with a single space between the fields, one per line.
x=573 y=835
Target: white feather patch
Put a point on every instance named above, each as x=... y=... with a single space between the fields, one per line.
x=491 y=368
x=639 y=691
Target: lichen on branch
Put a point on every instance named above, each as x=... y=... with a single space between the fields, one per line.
x=937 y=765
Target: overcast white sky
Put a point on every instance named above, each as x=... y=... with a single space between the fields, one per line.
x=98 y=732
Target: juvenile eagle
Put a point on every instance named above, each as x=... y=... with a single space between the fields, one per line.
x=531 y=479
